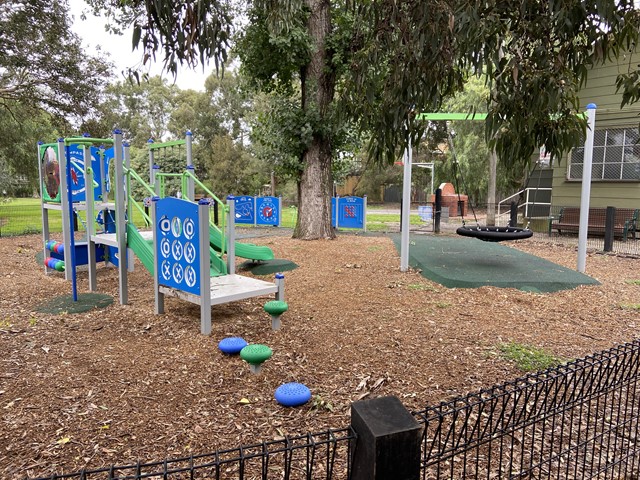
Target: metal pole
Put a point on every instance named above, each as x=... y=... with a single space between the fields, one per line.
x=586 y=188
x=158 y=295
x=364 y=213
x=64 y=202
x=121 y=222
x=89 y=194
x=44 y=211
x=205 y=261
x=151 y=163
x=231 y=237
x=405 y=209
x=191 y=187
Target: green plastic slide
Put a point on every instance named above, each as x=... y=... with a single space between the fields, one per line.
x=143 y=249
x=244 y=250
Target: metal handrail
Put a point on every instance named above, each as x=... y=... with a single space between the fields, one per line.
x=524 y=206
x=187 y=174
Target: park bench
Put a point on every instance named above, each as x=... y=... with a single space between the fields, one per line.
x=568 y=221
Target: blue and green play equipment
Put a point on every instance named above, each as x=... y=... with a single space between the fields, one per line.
x=189 y=255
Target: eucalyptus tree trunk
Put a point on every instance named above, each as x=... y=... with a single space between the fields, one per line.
x=318 y=87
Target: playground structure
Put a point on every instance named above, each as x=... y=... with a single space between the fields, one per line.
x=189 y=255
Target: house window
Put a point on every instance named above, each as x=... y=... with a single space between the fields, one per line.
x=616 y=156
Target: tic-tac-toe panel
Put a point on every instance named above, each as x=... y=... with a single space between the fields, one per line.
x=178 y=249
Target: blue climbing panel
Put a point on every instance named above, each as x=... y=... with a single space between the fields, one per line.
x=178 y=248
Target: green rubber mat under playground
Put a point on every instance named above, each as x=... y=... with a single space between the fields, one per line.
x=268 y=267
x=65 y=304
x=457 y=262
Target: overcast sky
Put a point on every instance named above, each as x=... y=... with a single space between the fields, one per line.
x=93 y=34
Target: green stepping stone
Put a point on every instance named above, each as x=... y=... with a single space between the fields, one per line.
x=255 y=355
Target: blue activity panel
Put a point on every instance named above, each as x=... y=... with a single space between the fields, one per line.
x=245 y=212
x=350 y=212
x=77 y=180
x=268 y=211
x=108 y=158
x=178 y=248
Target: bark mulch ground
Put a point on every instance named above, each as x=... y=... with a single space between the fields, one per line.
x=121 y=384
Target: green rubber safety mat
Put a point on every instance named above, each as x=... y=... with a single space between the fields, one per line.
x=65 y=304
x=457 y=262
x=268 y=267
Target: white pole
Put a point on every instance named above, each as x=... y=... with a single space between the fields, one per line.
x=586 y=188
x=406 y=208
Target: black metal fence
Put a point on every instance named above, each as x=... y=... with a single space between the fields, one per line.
x=313 y=455
x=575 y=421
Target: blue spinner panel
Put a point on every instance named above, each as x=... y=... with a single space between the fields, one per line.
x=267 y=211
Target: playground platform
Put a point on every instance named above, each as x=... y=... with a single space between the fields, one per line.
x=228 y=288
x=457 y=262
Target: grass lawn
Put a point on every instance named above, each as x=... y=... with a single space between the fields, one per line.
x=23 y=216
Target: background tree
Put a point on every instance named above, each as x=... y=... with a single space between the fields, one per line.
x=48 y=84
x=42 y=63
x=20 y=130
x=385 y=60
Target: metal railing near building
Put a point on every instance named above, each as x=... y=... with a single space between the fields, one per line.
x=531 y=207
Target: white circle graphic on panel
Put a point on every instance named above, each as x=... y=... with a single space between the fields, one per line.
x=189 y=252
x=166 y=270
x=189 y=228
x=176 y=226
x=176 y=250
x=178 y=273
x=165 y=248
x=190 y=276
x=165 y=225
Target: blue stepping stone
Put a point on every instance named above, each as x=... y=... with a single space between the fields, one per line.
x=232 y=345
x=292 y=394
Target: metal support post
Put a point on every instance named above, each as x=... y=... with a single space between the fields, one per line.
x=205 y=261
x=121 y=222
x=406 y=208
x=89 y=193
x=191 y=187
x=231 y=237
x=586 y=188
x=44 y=211
x=437 y=214
x=64 y=202
x=609 y=225
x=151 y=163
x=158 y=296
x=364 y=214
x=280 y=285
x=155 y=182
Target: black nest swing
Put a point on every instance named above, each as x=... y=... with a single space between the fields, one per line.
x=494 y=234
x=484 y=232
